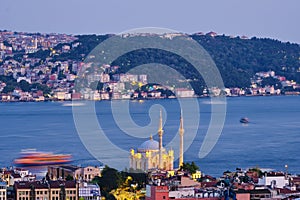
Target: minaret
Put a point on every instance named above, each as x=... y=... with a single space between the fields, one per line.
x=160 y=134
x=181 y=133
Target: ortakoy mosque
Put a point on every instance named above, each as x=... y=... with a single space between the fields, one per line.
x=152 y=155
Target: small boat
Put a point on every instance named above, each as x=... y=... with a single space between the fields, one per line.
x=244 y=120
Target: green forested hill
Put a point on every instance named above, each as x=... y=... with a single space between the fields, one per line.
x=237 y=59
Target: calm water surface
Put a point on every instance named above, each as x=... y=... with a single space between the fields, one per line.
x=271 y=140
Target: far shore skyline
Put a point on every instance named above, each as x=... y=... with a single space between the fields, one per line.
x=202 y=32
x=273 y=19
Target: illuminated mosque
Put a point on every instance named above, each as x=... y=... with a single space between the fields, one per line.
x=152 y=155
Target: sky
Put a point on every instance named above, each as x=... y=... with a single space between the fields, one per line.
x=277 y=19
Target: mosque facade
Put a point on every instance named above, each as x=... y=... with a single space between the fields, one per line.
x=152 y=155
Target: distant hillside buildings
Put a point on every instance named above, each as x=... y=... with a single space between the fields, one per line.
x=44 y=77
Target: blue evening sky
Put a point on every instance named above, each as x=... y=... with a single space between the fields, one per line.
x=276 y=19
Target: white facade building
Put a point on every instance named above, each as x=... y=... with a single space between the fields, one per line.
x=184 y=93
x=188 y=192
x=277 y=180
x=89 y=191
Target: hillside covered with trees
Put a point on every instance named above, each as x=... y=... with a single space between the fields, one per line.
x=238 y=59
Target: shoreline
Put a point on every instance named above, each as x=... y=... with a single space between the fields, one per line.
x=145 y=99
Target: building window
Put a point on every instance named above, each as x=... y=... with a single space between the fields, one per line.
x=164 y=197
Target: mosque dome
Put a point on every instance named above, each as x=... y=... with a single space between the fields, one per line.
x=149 y=145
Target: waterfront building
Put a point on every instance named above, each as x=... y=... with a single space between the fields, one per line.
x=77 y=173
x=16 y=175
x=184 y=193
x=14 y=178
x=274 y=179
x=104 y=95
x=259 y=194
x=88 y=173
x=44 y=190
x=152 y=155
x=143 y=78
x=104 y=78
x=184 y=93
x=128 y=78
x=115 y=86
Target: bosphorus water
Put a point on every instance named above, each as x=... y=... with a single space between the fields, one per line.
x=270 y=140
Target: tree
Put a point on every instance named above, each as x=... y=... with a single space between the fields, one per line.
x=110 y=197
x=270 y=81
x=257 y=170
x=69 y=178
x=138 y=177
x=24 y=85
x=189 y=167
x=244 y=179
x=96 y=85
x=40 y=73
x=61 y=75
x=110 y=179
x=8 y=89
x=100 y=86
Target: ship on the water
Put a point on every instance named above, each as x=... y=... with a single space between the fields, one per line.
x=32 y=157
x=244 y=120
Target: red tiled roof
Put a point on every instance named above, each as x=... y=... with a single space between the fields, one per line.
x=28 y=185
x=16 y=175
x=286 y=191
x=66 y=184
x=209 y=184
x=296 y=179
x=44 y=185
x=275 y=174
x=7 y=172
